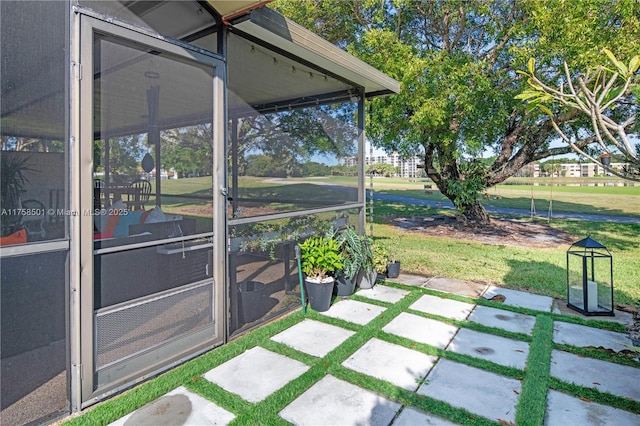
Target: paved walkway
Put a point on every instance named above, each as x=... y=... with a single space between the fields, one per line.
x=509 y=211
x=398 y=323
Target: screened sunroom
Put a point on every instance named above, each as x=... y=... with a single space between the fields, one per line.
x=160 y=160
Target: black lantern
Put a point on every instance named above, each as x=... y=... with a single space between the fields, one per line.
x=590 y=278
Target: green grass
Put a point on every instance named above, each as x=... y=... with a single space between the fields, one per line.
x=530 y=410
x=532 y=405
x=539 y=270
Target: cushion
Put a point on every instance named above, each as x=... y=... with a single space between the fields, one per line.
x=110 y=228
x=118 y=206
x=122 y=227
x=156 y=215
x=18 y=237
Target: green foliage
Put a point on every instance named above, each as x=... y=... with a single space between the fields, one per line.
x=125 y=154
x=320 y=257
x=380 y=257
x=283 y=143
x=604 y=97
x=188 y=150
x=356 y=252
x=467 y=189
x=381 y=169
x=457 y=63
x=12 y=178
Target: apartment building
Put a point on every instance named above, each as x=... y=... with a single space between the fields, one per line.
x=571 y=170
x=407 y=167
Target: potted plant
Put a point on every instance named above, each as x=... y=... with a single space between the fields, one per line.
x=13 y=182
x=353 y=258
x=393 y=268
x=380 y=258
x=320 y=259
x=633 y=329
x=368 y=274
x=358 y=261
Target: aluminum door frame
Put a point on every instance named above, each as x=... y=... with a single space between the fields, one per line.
x=84 y=379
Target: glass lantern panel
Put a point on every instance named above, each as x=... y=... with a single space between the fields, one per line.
x=574 y=281
x=601 y=275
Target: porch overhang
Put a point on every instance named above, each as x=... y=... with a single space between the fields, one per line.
x=287 y=36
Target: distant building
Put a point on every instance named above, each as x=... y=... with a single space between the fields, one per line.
x=570 y=170
x=407 y=167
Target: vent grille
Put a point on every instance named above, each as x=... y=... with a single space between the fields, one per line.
x=144 y=324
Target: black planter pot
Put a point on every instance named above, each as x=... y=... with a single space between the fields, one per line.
x=251 y=300
x=393 y=269
x=319 y=294
x=344 y=286
x=365 y=280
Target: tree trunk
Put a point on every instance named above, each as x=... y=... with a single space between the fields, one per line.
x=473 y=215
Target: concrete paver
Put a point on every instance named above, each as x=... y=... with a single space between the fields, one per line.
x=420 y=329
x=505 y=320
x=503 y=351
x=354 y=311
x=583 y=336
x=383 y=293
x=337 y=402
x=604 y=376
x=413 y=417
x=396 y=364
x=444 y=307
x=480 y=392
x=256 y=373
x=176 y=408
x=521 y=299
x=313 y=337
x=563 y=409
x=560 y=307
x=452 y=285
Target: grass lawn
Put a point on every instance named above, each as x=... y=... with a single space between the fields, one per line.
x=622 y=201
x=541 y=271
x=535 y=378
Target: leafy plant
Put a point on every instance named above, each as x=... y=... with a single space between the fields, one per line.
x=380 y=257
x=320 y=256
x=12 y=179
x=12 y=186
x=265 y=237
x=356 y=251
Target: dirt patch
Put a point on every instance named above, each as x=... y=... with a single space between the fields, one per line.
x=502 y=231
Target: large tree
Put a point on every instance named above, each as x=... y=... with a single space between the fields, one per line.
x=457 y=63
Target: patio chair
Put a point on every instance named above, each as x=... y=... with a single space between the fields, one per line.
x=138 y=194
x=35 y=213
x=98 y=194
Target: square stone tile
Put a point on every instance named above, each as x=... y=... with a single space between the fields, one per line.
x=313 y=337
x=396 y=364
x=383 y=293
x=505 y=320
x=583 y=336
x=354 y=311
x=256 y=373
x=521 y=299
x=503 y=351
x=178 y=407
x=421 y=329
x=332 y=401
x=563 y=409
x=444 y=307
x=413 y=417
x=480 y=392
x=604 y=376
